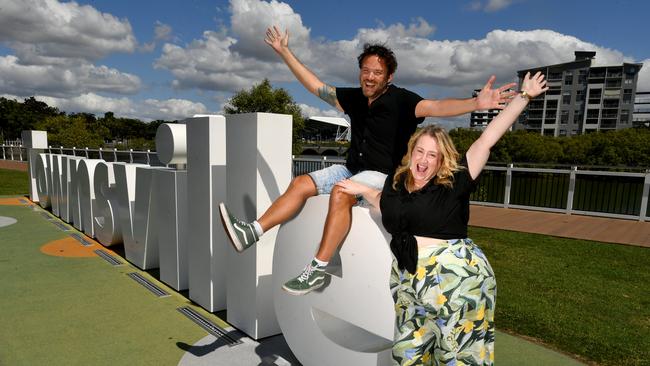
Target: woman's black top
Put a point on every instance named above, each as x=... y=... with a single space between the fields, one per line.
x=433 y=211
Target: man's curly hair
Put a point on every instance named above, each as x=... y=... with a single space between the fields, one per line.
x=381 y=51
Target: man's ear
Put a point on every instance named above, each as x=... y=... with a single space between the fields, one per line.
x=390 y=78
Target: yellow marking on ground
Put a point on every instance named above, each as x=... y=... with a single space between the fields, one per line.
x=71 y=247
x=12 y=201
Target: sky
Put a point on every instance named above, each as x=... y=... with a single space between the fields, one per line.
x=170 y=60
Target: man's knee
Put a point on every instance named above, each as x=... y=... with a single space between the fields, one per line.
x=340 y=198
x=304 y=185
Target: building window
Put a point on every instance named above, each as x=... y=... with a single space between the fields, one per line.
x=594 y=96
x=568 y=78
x=592 y=113
x=580 y=95
x=564 y=119
x=549 y=132
x=562 y=132
x=627 y=95
x=574 y=132
x=566 y=98
x=582 y=76
x=625 y=117
x=577 y=118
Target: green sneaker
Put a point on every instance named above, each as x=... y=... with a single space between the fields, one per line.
x=242 y=235
x=311 y=278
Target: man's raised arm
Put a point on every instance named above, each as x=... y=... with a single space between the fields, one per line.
x=488 y=98
x=280 y=44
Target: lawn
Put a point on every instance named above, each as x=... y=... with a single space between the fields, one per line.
x=13 y=182
x=585 y=298
x=581 y=297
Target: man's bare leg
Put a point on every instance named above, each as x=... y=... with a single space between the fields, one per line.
x=243 y=234
x=337 y=224
x=286 y=206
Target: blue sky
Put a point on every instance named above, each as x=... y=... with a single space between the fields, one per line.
x=171 y=59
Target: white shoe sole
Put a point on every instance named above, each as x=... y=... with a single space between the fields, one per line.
x=303 y=292
x=227 y=225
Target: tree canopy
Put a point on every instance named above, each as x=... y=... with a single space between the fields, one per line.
x=628 y=147
x=265 y=98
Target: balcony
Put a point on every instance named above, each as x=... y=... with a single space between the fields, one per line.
x=596 y=74
x=613 y=84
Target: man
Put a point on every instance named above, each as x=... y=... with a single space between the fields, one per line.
x=382 y=118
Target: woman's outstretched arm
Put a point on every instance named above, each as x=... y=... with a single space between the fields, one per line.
x=478 y=154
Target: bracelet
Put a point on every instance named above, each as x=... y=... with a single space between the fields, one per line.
x=525 y=95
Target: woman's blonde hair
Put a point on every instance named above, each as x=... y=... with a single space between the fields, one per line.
x=448 y=163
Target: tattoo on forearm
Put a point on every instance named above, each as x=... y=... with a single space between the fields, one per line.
x=328 y=94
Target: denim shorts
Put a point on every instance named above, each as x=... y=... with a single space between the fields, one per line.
x=325 y=179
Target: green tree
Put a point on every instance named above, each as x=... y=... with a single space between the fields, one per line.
x=265 y=98
x=70 y=131
x=16 y=116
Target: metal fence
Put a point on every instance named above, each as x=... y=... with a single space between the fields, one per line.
x=572 y=191
x=19 y=153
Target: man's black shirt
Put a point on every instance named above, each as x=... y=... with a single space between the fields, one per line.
x=380 y=131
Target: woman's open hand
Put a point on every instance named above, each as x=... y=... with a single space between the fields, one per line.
x=534 y=85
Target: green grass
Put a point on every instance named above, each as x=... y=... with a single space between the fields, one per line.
x=81 y=311
x=13 y=182
x=586 y=298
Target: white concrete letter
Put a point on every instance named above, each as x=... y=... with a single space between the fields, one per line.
x=259 y=171
x=86 y=190
x=207 y=246
x=106 y=219
x=350 y=321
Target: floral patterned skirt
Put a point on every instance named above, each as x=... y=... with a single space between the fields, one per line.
x=445 y=311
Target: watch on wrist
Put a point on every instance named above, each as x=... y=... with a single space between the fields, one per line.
x=525 y=95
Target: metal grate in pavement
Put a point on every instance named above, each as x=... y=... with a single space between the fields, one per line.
x=137 y=277
x=82 y=240
x=60 y=226
x=209 y=326
x=108 y=258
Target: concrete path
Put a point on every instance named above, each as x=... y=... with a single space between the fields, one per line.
x=607 y=230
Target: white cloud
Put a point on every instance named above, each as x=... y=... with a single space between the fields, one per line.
x=162 y=32
x=147 y=110
x=311 y=111
x=63 y=80
x=490 y=5
x=55 y=44
x=210 y=64
x=494 y=5
x=251 y=18
x=230 y=61
x=52 y=29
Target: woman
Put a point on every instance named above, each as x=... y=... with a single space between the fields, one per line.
x=442 y=284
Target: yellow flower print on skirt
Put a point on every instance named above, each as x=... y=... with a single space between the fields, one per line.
x=445 y=311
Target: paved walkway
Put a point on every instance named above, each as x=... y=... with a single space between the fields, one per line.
x=13 y=165
x=608 y=230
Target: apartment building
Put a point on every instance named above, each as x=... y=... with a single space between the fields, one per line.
x=582 y=98
x=480 y=119
x=641 y=115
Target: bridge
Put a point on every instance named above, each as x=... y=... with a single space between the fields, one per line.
x=324 y=150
